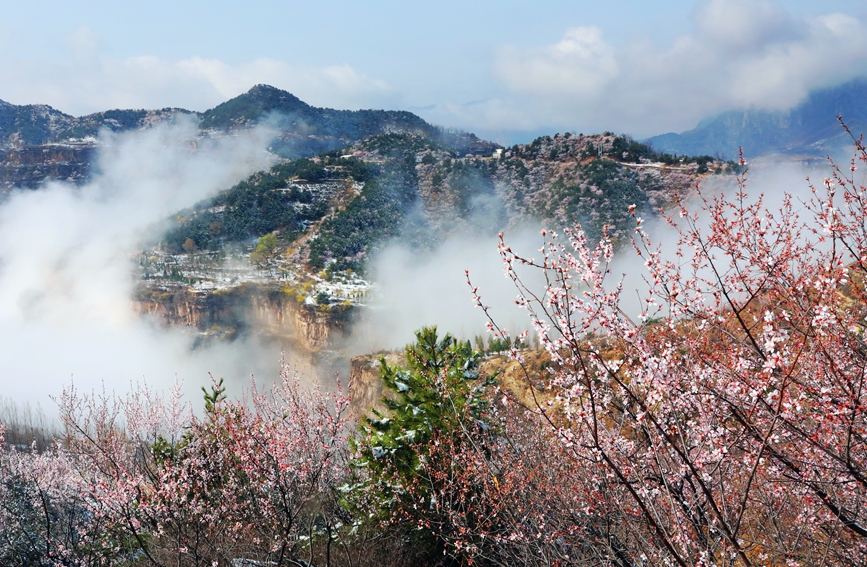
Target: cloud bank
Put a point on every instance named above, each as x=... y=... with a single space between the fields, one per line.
x=416 y=290
x=67 y=268
x=86 y=81
x=739 y=53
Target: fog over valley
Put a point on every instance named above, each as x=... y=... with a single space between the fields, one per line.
x=300 y=284
x=67 y=274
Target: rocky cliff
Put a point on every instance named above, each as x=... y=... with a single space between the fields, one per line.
x=316 y=327
x=366 y=386
x=30 y=166
x=261 y=309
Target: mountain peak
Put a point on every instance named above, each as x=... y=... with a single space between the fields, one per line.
x=253 y=106
x=262 y=89
x=273 y=96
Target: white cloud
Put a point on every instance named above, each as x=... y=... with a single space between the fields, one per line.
x=334 y=85
x=85 y=81
x=746 y=25
x=67 y=273
x=417 y=290
x=740 y=53
x=579 y=64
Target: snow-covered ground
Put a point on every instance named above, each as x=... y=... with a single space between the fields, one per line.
x=209 y=272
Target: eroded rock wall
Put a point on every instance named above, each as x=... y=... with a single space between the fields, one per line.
x=251 y=308
x=30 y=167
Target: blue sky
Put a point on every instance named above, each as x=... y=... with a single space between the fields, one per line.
x=507 y=70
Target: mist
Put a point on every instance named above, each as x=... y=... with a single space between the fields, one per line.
x=415 y=290
x=67 y=268
x=768 y=180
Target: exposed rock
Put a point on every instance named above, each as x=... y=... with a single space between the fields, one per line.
x=31 y=166
x=317 y=327
x=364 y=375
x=263 y=309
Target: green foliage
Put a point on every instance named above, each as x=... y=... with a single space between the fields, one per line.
x=439 y=395
x=266 y=244
x=400 y=146
x=35 y=132
x=255 y=105
x=353 y=167
x=620 y=148
x=259 y=205
x=31 y=122
x=215 y=396
x=376 y=214
x=603 y=198
x=433 y=395
x=497 y=344
x=310 y=130
x=624 y=148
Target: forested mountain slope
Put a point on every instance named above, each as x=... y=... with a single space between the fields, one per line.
x=38 y=142
x=298 y=238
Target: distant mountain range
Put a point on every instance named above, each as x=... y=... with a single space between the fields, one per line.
x=40 y=124
x=810 y=129
x=39 y=142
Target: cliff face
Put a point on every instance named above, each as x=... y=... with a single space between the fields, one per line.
x=366 y=392
x=29 y=167
x=315 y=327
x=187 y=308
x=253 y=308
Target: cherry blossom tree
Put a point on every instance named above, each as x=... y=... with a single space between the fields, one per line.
x=43 y=519
x=465 y=478
x=508 y=493
x=726 y=422
x=252 y=479
x=722 y=423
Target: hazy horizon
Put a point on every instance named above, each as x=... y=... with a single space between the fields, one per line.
x=507 y=72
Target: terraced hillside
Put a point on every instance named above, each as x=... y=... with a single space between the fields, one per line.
x=301 y=234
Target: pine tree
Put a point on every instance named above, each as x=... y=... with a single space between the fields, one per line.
x=439 y=395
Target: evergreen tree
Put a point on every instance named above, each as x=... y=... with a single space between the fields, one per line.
x=438 y=395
